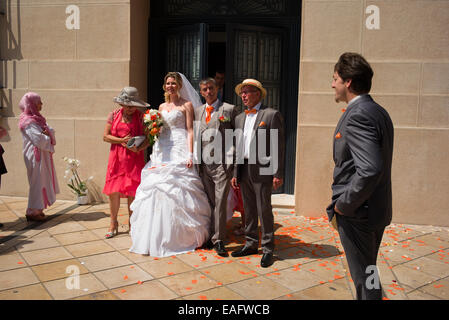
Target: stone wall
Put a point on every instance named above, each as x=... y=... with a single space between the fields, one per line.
x=410 y=57
x=77 y=72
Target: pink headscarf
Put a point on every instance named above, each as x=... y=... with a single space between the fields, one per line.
x=28 y=105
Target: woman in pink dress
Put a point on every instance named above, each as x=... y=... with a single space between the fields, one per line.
x=38 y=148
x=125 y=164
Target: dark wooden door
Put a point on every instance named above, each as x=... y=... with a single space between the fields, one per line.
x=181 y=49
x=259 y=52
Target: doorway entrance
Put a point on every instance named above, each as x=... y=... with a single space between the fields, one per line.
x=216 y=48
x=199 y=38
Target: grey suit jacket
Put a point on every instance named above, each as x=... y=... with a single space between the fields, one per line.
x=363 y=150
x=267 y=119
x=221 y=121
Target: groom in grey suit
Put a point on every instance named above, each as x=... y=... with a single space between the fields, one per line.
x=216 y=124
x=361 y=190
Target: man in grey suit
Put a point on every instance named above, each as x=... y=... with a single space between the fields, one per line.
x=361 y=189
x=215 y=168
x=261 y=145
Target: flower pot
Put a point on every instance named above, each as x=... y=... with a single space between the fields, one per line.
x=83 y=200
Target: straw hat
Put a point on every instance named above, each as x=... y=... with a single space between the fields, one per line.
x=251 y=82
x=129 y=96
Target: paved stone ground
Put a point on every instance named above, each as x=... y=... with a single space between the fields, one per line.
x=36 y=260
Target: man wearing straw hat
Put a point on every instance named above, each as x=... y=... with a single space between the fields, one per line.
x=259 y=167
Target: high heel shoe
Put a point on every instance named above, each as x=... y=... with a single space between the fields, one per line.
x=112 y=233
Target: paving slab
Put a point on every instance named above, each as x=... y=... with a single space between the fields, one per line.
x=17 y=278
x=63 y=289
x=44 y=256
x=150 y=290
x=189 y=282
x=164 y=267
x=32 y=292
x=58 y=270
x=122 y=276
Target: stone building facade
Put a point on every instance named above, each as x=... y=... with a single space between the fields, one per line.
x=77 y=71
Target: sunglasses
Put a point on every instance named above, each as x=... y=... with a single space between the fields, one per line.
x=247 y=92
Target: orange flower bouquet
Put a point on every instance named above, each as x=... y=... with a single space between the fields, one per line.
x=152 y=120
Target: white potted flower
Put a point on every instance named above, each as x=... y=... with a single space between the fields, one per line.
x=76 y=185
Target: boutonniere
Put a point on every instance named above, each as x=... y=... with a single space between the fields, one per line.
x=261 y=124
x=224 y=119
x=338 y=136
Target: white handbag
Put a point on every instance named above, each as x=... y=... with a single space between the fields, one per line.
x=135 y=141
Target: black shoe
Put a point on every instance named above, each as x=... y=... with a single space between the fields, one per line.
x=220 y=249
x=208 y=244
x=244 y=252
x=267 y=260
x=1 y=225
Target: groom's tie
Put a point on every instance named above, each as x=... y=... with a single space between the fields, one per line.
x=209 y=110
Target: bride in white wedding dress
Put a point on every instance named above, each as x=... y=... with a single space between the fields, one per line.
x=171 y=212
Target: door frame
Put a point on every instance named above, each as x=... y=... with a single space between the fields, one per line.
x=290 y=68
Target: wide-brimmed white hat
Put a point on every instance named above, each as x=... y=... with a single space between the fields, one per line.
x=251 y=82
x=129 y=96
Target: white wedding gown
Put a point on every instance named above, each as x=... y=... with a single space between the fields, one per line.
x=171 y=212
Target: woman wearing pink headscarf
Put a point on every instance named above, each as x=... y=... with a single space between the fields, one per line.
x=38 y=148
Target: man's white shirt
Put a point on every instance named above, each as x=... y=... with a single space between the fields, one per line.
x=248 y=129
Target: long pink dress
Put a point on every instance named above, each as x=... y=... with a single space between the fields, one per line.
x=124 y=166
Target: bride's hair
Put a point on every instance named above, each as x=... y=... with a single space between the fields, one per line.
x=178 y=81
